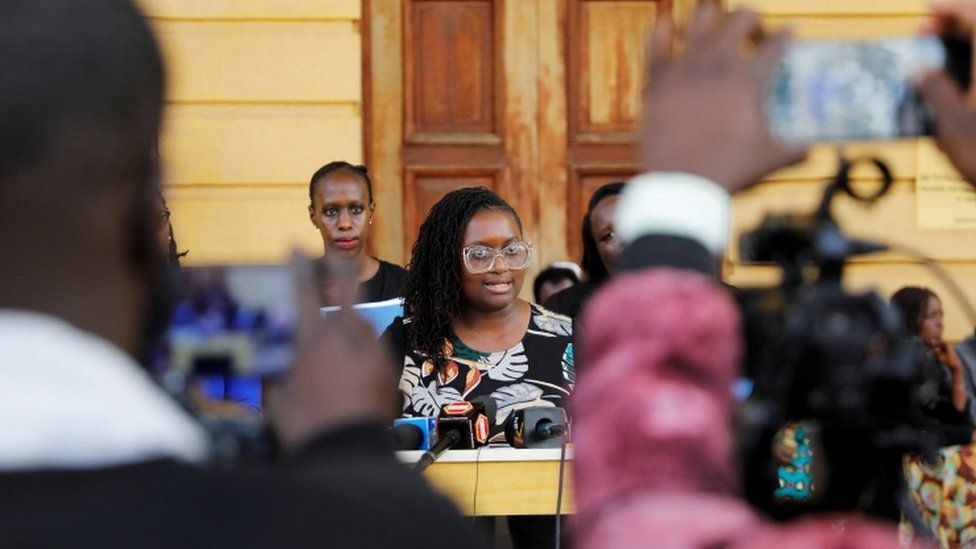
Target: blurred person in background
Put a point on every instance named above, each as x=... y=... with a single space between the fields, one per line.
x=654 y=456
x=966 y=351
x=221 y=395
x=943 y=489
x=654 y=451
x=922 y=316
x=92 y=452
x=550 y=280
x=601 y=247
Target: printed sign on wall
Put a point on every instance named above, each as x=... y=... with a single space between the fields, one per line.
x=943 y=199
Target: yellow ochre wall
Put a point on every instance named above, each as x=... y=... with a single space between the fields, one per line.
x=261 y=94
x=892 y=219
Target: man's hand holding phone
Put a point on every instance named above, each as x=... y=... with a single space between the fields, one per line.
x=954 y=109
x=340 y=373
x=703 y=107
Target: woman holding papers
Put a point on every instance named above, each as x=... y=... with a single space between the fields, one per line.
x=341 y=208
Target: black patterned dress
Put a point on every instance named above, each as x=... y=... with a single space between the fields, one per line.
x=536 y=371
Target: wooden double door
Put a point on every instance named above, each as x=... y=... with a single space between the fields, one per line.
x=538 y=100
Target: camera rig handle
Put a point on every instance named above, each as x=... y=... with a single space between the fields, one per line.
x=842 y=182
x=795 y=241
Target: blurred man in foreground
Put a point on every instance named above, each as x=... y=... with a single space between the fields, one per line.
x=92 y=453
x=652 y=408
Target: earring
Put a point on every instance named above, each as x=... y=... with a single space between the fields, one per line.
x=371 y=221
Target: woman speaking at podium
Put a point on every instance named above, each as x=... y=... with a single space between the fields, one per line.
x=467 y=333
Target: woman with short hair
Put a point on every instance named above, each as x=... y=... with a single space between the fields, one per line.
x=341 y=207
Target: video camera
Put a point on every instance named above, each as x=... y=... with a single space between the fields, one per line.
x=838 y=362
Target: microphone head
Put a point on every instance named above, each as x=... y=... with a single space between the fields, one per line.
x=425 y=427
x=469 y=419
x=407 y=437
x=490 y=407
x=547 y=429
x=515 y=429
x=536 y=427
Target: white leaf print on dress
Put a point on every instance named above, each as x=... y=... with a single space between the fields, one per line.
x=427 y=401
x=409 y=379
x=553 y=323
x=507 y=365
x=516 y=397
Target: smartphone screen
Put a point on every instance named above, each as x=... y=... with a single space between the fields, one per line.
x=232 y=322
x=852 y=90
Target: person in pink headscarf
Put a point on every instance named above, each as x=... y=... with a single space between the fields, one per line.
x=652 y=407
x=652 y=415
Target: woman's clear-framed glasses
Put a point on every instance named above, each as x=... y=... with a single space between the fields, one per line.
x=481 y=259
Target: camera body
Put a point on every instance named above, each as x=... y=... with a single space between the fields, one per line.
x=837 y=361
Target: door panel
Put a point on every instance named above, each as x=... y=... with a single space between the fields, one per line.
x=606 y=45
x=424 y=186
x=450 y=72
x=538 y=100
x=607 y=41
x=453 y=104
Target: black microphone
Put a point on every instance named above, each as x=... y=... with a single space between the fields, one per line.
x=407 y=437
x=536 y=427
x=414 y=433
x=461 y=424
x=443 y=443
x=547 y=429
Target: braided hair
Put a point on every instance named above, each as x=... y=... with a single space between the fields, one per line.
x=432 y=292
x=592 y=264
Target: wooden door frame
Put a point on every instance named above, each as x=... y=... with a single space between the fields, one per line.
x=384 y=110
x=383 y=122
x=543 y=119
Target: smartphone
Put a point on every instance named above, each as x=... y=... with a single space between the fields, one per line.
x=831 y=90
x=232 y=322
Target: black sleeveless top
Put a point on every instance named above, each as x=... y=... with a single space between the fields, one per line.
x=387 y=283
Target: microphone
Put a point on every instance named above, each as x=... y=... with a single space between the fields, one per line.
x=461 y=424
x=536 y=427
x=407 y=437
x=414 y=433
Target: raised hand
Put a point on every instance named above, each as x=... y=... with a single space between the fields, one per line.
x=341 y=372
x=703 y=107
x=954 y=109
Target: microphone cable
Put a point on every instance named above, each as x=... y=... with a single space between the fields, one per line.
x=477 y=476
x=559 y=493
